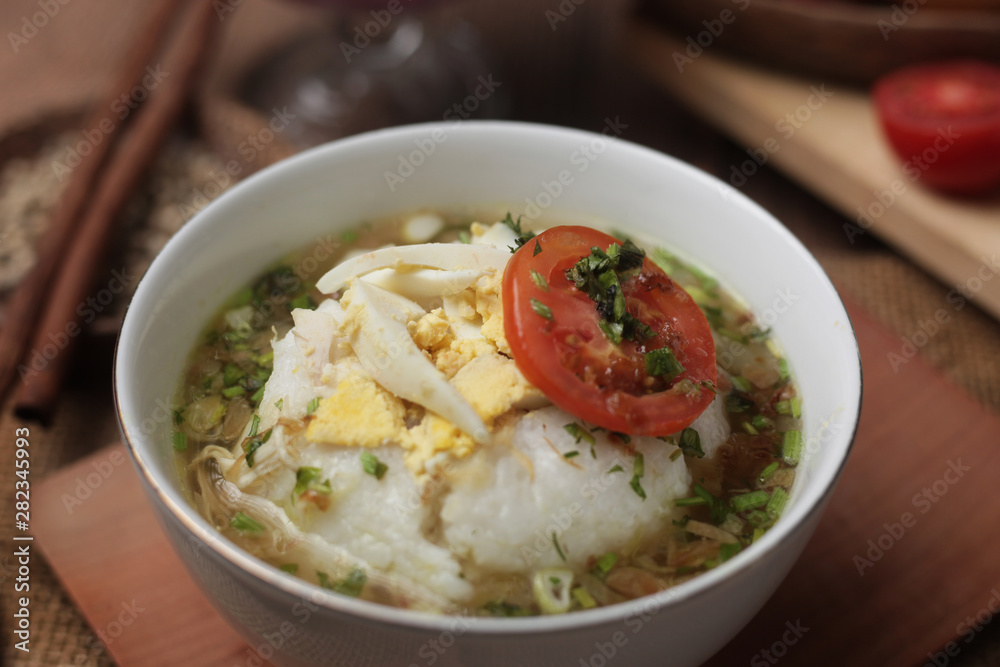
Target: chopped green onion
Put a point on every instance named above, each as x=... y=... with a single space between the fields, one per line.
x=579 y=433
x=796 y=404
x=741 y=383
x=783 y=368
x=759 y=519
x=179 y=416
x=180 y=441
x=638 y=469
x=251 y=445
x=290 y=568
x=349 y=236
x=312 y=406
x=254 y=425
x=307 y=478
x=351 y=585
x=372 y=465
x=541 y=309
x=504 y=609
x=749 y=428
x=749 y=501
x=604 y=564
x=552 y=590
x=688 y=502
x=463 y=236
x=739 y=403
x=727 y=551
x=761 y=423
x=676 y=455
x=257 y=396
x=302 y=301
x=279 y=403
x=571 y=454
x=791 y=447
x=233 y=392
x=539 y=281
x=231 y=374
x=616 y=468
x=245 y=523
x=783 y=407
x=584 y=598
x=777 y=503
x=555 y=543
x=766 y=473
x=757 y=534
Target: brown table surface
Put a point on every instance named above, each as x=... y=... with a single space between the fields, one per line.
x=569 y=76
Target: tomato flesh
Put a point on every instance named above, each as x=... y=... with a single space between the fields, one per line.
x=571 y=360
x=943 y=120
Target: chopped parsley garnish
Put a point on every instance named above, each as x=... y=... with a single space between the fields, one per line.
x=245 y=523
x=663 y=363
x=313 y=406
x=522 y=236
x=638 y=469
x=351 y=585
x=555 y=542
x=599 y=275
x=180 y=441
x=251 y=445
x=254 y=425
x=307 y=478
x=538 y=248
x=541 y=309
x=539 y=281
x=690 y=443
x=579 y=433
x=372 y=465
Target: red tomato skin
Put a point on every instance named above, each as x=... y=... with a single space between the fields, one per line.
x=943 y=120
x=535 y=344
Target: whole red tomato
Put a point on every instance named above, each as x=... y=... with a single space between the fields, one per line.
x=943 y=120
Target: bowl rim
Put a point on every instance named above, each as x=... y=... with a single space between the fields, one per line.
x=818 y=491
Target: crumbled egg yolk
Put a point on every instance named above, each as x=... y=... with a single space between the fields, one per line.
x=363 y=414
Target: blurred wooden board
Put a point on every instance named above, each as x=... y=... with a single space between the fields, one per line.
x=827 y=138
x=110 y=550
x=95 y=528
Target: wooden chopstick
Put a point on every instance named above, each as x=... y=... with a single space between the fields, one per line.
x=74 y=270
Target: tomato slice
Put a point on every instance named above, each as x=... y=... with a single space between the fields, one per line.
x=554 y=332
x=943 y=120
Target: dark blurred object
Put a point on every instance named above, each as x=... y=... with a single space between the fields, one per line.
x=375 y=70
x=850 y=42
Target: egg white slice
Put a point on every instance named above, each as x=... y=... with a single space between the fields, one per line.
x=389 y=355
x=445 y=256
x=424 y=283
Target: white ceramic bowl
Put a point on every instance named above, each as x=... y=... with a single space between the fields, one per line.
x=561 y=172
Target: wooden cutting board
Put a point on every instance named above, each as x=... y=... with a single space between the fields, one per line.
x=927 y=562
x=826 y=137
